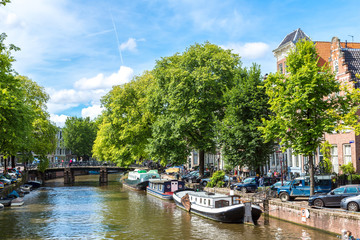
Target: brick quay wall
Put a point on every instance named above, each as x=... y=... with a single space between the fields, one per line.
x=332 y=220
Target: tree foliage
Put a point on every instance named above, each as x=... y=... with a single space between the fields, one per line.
x=15 y=114
x=326 y=152
x=306 y=104
x=126 y=123
x=42 y=137
x=188 y=100
x=79 y=135
x=246 y=104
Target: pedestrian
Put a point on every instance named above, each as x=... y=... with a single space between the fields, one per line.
x=269 y=174
x=257 y=180
x=349 y=236
x=261 y=181
x=70 y=162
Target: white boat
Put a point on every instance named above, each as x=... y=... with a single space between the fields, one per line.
x=1 y=206
x=218 y=207
x=139 y=179
x=16 y=202
x=26 y=188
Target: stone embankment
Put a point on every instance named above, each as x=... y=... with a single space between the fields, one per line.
x=332 y=220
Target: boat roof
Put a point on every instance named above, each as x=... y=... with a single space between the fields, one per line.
x=207 y=194
x=162 y=180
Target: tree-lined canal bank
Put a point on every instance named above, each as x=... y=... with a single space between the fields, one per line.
x=89 y=211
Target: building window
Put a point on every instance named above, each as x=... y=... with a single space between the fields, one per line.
x=334 y=158
x=195 y=160
x=272 y=160
x=347 y=153
x=296 y=160
x=280 y=68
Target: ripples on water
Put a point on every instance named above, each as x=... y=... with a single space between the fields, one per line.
x=88 y=211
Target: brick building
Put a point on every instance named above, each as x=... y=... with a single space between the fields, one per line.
x=344 y=59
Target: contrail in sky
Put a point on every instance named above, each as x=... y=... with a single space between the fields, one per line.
x=117 y=38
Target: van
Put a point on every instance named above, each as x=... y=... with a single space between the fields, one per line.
x=300 y=187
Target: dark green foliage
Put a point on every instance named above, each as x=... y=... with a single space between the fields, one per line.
x=188 y=100
x=217 y=179
x=79 y=136
x=246 y=104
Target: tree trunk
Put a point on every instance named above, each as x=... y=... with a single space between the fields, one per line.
x=312 y=173
x=13 y=165
x=5 y=165
x=201 y=162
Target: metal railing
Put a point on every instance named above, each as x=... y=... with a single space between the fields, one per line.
x=74 y=164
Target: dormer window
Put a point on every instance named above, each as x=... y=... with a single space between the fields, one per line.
x=280 y=68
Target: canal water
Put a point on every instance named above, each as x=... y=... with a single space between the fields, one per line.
x=89 y=211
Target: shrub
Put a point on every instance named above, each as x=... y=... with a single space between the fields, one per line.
x=217 y=179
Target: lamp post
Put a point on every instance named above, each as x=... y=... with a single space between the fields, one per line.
x=281 y=169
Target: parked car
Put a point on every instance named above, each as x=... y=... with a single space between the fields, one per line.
x=351 y=203
x=334 y=197
x=205 y=181
x=194 y=177
x=249 y=184
x=187 y=176
x=300 y=187
x=275 y=186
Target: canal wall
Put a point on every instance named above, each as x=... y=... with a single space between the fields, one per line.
x=332 y=220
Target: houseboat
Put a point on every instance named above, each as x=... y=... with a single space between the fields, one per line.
x=164 y=189
x=218 y=207
x=139 y=179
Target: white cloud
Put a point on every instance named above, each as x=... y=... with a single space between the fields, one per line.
x=87 y=91
x=92 y=111
x=254 y=50
x=124 y=75
x=129 y=45
x=59 y=120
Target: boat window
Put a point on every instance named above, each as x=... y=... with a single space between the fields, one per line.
x=191 y=198
x=200 y=200
x=209 y=202
x=221 y=203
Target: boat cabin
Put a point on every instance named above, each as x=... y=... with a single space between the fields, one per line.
x=142 y=175
x=211 y=200
x=165 y=186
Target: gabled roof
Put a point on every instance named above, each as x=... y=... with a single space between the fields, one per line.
x=352 y=58
x=294 y=37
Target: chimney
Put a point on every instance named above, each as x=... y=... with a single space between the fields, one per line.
x=345 y=43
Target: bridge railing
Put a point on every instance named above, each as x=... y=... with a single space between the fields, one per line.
x=74 y=164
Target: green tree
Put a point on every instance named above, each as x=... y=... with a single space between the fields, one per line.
x=15 y=114
x=79 y=135
x=246 y=104
x=125 y=123
x=306 y=104
x=348 y=169
x=188 y=100
x=41 y=140
x=4 y=2
x=326 y=152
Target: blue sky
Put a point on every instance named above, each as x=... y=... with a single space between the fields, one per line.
x=77 y=50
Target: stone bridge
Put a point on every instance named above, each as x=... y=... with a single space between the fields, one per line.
x=69 y=172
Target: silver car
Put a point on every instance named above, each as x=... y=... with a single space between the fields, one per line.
x=351 y=203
